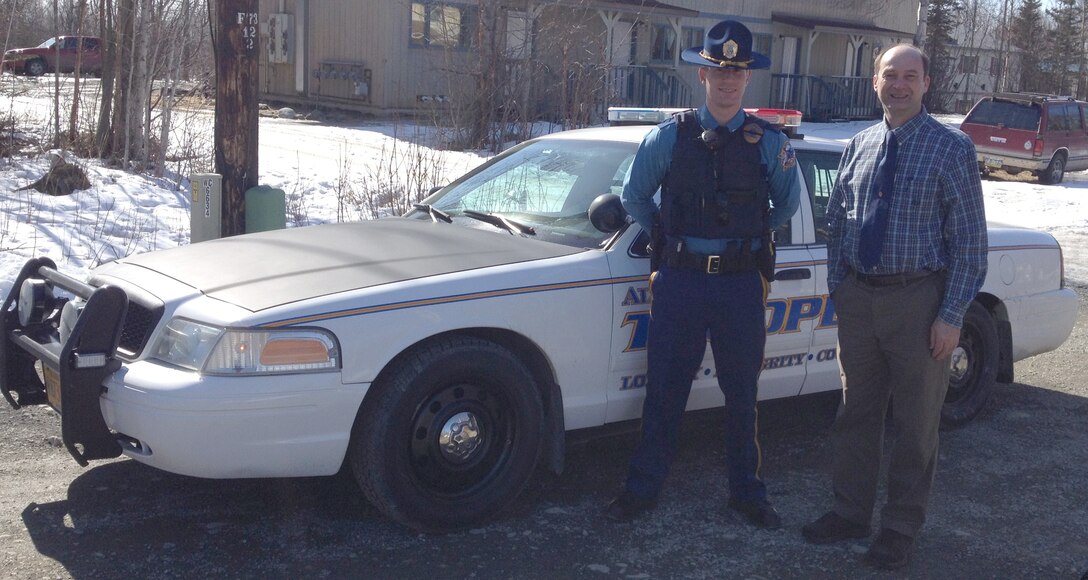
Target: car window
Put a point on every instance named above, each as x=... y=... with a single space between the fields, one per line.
x=548 y=184
x=1023 y=116
x=71 y=43
x=1057 y=118
x=819 y=168
x=90 y=44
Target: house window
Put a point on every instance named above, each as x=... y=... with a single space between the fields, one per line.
x=692 y=37
x=519 y=39
x=969 y=64
x=761 y=43
x=995 y=66
x=664 y=43
x=444 y=25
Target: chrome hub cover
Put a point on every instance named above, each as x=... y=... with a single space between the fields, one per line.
x=961 y=363
x=460 y=437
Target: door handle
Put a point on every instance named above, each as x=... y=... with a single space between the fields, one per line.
x=793 y=274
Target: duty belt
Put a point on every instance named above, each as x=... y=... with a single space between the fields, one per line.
x=733 y=260
x=901 y=279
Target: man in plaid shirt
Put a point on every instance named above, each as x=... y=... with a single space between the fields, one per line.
x=906 y=256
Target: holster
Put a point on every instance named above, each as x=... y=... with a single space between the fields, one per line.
x=656 y=248
x=766 y=259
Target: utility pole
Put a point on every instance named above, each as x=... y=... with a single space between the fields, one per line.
x=236 y=50
x=56 y=77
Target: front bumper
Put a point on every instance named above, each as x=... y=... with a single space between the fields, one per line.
x=230 y=427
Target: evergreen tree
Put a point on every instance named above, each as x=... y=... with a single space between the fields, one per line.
x=941 y=21
x=1066 y=47
x=1028 y=33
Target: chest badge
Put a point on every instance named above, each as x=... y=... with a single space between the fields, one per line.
x=752 y=133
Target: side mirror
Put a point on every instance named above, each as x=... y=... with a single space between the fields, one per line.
x=606 y=213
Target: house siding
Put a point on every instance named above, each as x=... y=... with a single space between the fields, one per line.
x=372 y=38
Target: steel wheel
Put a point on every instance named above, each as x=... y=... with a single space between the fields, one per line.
x=974 y=368
x=450 y=435
x=460 y=437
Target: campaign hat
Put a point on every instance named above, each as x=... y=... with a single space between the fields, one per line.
x=727 y=45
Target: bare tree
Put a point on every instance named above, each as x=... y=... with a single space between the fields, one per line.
x=73 y=119
x=1067 y=49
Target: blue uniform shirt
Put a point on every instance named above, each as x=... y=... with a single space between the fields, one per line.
x=654 y=157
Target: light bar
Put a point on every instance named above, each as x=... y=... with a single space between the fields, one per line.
x=779 y=117
x=636 y=115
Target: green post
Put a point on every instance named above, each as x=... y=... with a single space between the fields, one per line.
x=266 y=209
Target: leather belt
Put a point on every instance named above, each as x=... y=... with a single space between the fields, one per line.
x=901 y=279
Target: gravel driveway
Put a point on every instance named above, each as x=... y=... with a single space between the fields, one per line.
x=1010 y=502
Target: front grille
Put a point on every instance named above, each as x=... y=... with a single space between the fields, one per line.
x=140 y=321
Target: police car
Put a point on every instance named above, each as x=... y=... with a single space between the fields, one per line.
x=443 y=355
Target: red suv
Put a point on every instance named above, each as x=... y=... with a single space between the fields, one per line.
x=1017 y=132
x=46 y=56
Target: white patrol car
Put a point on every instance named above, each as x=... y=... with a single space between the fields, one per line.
x=442 y=355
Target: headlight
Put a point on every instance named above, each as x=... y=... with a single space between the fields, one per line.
x=218 y=351
x=186 y=343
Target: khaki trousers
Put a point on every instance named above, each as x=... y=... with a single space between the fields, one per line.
x=884 y=357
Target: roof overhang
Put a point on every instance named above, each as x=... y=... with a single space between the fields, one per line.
x=641 y=7
x=835 y=26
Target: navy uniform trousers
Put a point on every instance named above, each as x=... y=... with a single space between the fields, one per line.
x=686 y=306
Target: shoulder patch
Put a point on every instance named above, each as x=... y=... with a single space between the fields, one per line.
x=786 y=155
x=752 y=132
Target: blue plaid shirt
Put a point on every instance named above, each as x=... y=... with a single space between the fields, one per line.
x=937 y=220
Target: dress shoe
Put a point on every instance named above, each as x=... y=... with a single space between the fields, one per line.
x=831 y=528
x=759 y=513
x=890 y=550
x=628 y=506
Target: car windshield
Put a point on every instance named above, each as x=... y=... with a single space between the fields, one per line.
x=1005 y=114
x=48 y=43
x=546 y=185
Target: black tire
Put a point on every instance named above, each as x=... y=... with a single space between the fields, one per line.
x=35 y=68
x=974 y=368
x=397 y=453
x=1055 y=172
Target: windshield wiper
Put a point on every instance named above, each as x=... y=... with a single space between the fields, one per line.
x=435 y=213
x=500 y=222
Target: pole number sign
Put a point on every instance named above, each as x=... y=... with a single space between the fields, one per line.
x=248 y=21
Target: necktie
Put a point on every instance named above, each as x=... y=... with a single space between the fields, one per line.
x=874 y=221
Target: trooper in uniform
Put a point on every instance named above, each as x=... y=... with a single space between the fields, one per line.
x=727 y=181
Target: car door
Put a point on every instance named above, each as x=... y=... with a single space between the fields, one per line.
x=68 y=49
x=820 y=169
x=1078 y=138
x=793 y=308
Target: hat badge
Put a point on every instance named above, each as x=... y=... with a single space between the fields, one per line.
x=730 y=49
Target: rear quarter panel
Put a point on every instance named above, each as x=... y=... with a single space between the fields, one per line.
x=1025 y=274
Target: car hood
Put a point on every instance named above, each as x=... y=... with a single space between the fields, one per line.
x=262 y=270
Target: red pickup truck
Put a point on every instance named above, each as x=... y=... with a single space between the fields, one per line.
x=58 y=53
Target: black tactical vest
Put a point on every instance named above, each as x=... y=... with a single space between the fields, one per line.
x=718 y=190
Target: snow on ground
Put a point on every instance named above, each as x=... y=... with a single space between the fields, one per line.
x=323 y=166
